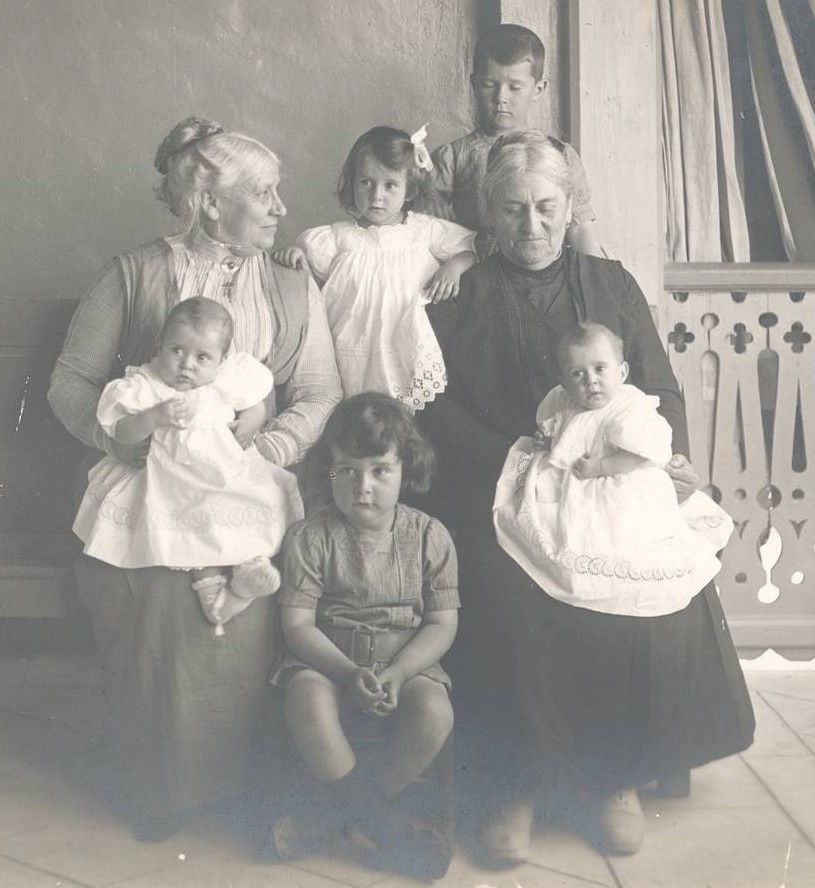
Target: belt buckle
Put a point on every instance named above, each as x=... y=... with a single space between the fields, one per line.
x=362 y=647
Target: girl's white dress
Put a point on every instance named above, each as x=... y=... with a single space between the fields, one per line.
x=619 y=544
x=375 y=301
x=201 y=500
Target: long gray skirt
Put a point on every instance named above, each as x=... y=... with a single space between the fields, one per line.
x=187 y=709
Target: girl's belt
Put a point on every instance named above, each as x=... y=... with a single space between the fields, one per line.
x=366 y=647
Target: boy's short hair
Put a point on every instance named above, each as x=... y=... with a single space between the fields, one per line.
x=585 y=333
x=200 y=313
x=508 y=45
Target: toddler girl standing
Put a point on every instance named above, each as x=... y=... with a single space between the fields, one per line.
x=201 y=499
x=595 y=520
x=378 y=271
x=369 y=602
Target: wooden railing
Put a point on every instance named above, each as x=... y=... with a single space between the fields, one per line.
x=38 y=465
x=741 y=340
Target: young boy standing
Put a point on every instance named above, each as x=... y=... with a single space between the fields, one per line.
x=507 y=79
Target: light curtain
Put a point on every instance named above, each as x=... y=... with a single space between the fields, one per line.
x=704 y=206
x=705 y=44
x=780 y=38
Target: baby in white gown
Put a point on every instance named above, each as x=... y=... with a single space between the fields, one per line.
x=587 y=509
x=201 y=502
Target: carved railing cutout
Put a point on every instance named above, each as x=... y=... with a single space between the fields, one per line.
x=745 y=360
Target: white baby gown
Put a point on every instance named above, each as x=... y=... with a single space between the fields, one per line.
x=201 y=500
x=619 y=544
x=375 y=301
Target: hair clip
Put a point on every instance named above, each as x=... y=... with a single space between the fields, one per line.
x=420 y=153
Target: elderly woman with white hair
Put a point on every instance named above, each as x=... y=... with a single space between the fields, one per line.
x=550 y=692
x=187 y=707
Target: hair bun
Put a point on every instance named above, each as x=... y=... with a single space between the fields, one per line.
x=182 y=136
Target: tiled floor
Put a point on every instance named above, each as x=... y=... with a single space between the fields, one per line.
x=749 y=822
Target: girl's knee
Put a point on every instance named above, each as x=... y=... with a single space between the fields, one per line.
x=428 y=707
x=309 y=694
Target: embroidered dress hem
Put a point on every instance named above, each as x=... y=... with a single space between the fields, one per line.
x=122 y=524
x=429 y=378
x=658 y=572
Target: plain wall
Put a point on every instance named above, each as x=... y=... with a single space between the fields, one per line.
x=92 y=86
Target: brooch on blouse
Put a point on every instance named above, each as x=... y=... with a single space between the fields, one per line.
x=229 y=266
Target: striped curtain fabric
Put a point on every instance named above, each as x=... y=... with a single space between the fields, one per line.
x=738 y=129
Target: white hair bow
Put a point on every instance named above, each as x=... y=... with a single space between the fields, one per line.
x=420 y=153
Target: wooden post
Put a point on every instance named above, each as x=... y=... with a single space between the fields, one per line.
x=614 y=103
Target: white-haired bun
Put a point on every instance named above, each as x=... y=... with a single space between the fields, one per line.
x=181 y=137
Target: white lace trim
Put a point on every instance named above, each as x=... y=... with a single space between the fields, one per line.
x=135 y=521
x=429 y=379
x=595 y=564
x=413 y=232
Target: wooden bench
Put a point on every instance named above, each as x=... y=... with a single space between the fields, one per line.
x=39 y=462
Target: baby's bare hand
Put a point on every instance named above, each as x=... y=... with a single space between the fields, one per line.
x=174 y=412
x=290 y=257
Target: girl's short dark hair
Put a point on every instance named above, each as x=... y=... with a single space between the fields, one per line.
x=394 y=150
x=371 y=424
x=200 y=312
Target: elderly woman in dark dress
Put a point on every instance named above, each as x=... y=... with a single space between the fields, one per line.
x=551 y=691
x=188 y=708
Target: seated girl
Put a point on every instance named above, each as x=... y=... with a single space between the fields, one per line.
x=369 y=599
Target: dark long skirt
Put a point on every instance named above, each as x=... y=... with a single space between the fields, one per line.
x=188 y=709
x=551 y=692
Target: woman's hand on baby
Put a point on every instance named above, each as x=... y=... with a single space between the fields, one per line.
x=244 y=431
x=587 y=467
x=134 y=455
x=541 y=441
x=444 y=283
x=364 y=688
x=683 y=475
x=290 y=257
x=248 y=423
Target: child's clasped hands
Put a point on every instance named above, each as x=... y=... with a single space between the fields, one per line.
x=374 y=695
